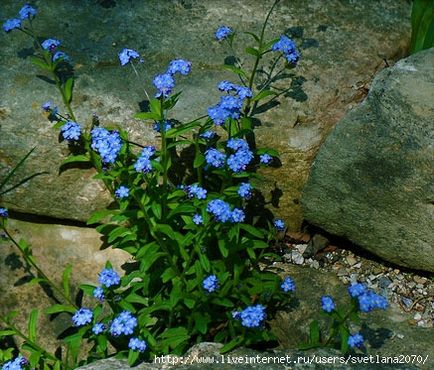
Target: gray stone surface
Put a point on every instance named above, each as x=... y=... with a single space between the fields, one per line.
x=343 y=44
x=372 y=181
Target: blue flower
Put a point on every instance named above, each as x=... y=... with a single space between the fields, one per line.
x=279 y=224
x=226 y=86
x=143 y=163
x=107 y=144
x=179 y=66
x=237 y=144
x=4 y=212
x=355 y=340
x=210 y=284
x=98 y=328
x=16 y=364
x=327 y=303
x=218 y=114
x=60 y=55
x=198 y=219
x=50 y=44
x=287 y=46
x=11 y=24
x=109 y=277
x=287 y=285
x=27 y=11
x=215 y=158
x=124 y=323
x=243 y=92
x=207 y=135
x=265 y=158
x=126 y=55
x=98 y=293
x=164 y=83
x=122 y=192
x=238 y=162
x=370 y=300
x=82 y=317
x=222 y=33
x=196 y=191
x=237 y=215
x=220 y=209
x=232 y=104
x=356 y=289
x=245 y=190
x=253 y=316
x=71 y=131
x=166 y=125
x=47 y=106
x=137 y=344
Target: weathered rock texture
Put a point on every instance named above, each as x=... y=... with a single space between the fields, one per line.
x=342 y=45
x=372 y=181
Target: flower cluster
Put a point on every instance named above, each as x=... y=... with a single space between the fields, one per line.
x=124 y=323
x=82 y=317
x=196 y=191
x=136 y=344
x=162 y=125
x=356 y=340
x=71 y=131
x=288 y=285
x=367 y=299
x=198 y=219
x=279 y=224
x=210 y=284
x=17 y=364
x=215 y=158
x=265 y=158
x=122 y=192
x=288 y=48
x=239 y=160
x=222 y=211
x=223 y=32
x=109 y=277
x=165 y=82
x=245 y=190
x=98 y=328
x=126 y=55
x=229 y=105
x=4 y=212
x=143 y=163
x=106 y=143
x=327 y=303
x=26 y=12
x=252 y=316
x=208 y=135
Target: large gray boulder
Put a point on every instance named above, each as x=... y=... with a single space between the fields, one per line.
x=342 y=45
x=372 y=181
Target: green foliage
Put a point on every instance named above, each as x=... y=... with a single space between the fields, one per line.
x=422 y=25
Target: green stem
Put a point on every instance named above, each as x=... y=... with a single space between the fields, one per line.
x=31 y=262
x=341 y=321
x=28 y=340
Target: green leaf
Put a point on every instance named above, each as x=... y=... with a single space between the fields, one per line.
x=135 y=298
x=268 y=45
x=37 y=61
x=252 y=230
x=220 y=301
x=256 y=37
x=155 y=106
x=34 y=358
x=97 y=216
x=67 y=89
x=422 y=18
x=56 y=308
x=236 y=342
x=147 y=115
x=33 y=321
x=199 y=160
x=263 y=94
x=343 y=331
x=5 y=333
x=235 y=70
x=223 y=249
x=167 y=275
x=204 y=262
x=17 y=166
x=189 y=302
x=80 y=158
x=253 y=51
x=66 y=279
x=314 y=332
x=173 y=337
x=132 y=357
x=156 y=210
x=201 y=322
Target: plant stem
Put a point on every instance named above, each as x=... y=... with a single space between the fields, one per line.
x=31 y=262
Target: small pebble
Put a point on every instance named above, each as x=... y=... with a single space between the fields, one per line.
x=417 y=316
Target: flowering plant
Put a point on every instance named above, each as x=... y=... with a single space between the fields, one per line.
x=188 y=211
